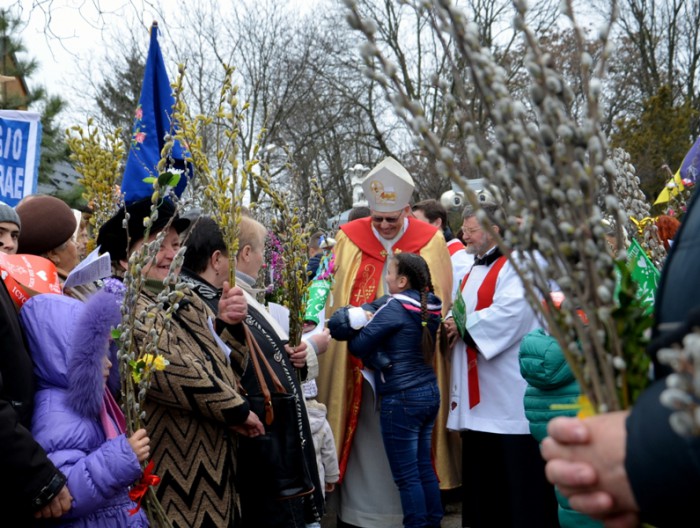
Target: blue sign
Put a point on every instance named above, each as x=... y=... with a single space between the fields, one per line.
x=20 y=140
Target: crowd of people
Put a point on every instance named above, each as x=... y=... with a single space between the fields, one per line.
x=426 y=376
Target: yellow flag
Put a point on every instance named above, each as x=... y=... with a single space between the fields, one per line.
x=672 y=188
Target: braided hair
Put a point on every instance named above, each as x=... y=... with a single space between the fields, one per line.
x=416 y=271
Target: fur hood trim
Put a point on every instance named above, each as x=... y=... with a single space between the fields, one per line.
x=90 y=343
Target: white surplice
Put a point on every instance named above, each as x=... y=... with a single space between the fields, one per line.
x=497 y=331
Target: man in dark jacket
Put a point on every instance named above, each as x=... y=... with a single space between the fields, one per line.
x=627 y=466
x=29 y=482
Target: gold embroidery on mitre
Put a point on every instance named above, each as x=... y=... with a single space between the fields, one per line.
x=387 y=197
x=382 y=196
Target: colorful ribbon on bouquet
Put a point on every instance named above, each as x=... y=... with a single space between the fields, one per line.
x=138 y=492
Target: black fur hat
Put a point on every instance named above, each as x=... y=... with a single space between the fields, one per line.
x=112 y=236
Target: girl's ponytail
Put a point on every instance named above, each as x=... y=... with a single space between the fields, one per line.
x=416 y=270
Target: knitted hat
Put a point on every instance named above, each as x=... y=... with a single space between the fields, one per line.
x=47 y=222
x=388 y=187
x=112 y=236
x=8 y=214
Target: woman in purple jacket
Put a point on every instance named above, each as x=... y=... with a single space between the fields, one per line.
x=75 y=419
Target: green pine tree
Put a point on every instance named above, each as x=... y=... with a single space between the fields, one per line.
x=53 y=145
x=12 y=66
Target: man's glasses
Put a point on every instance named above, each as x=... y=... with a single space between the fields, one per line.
x=472 y=230
x=387 y=219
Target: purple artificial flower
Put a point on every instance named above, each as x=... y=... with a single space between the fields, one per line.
x=115 y=287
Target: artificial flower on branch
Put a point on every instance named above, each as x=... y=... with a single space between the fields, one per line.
x=557 y=178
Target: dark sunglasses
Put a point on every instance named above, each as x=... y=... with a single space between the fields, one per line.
x=387 y=219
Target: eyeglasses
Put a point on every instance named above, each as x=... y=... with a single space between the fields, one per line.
x=472 y=230
x=387 y=219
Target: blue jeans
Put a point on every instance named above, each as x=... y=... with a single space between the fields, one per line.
x=407 y=419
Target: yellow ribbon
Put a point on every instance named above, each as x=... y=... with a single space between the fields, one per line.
x=643 y=223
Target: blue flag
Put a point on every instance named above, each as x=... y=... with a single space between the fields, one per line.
x=152 y=121
x=690 y=168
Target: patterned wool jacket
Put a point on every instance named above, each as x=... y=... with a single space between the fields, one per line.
x=190 y=408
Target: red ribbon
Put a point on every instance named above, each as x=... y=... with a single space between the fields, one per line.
x=138 y=492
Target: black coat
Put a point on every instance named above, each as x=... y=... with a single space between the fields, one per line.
x=663 y=467
x=28 y=479
x=259 y=511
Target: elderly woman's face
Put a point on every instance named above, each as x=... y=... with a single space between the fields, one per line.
x=251 y=259
x=66 y=256
x=159 y=269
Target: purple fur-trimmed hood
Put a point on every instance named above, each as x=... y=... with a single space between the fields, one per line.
x=68 y=340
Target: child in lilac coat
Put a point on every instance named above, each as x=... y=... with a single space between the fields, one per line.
x=75 y=419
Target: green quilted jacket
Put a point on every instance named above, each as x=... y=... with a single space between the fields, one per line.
x=549 y=382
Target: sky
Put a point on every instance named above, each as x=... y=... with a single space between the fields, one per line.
x=69 y=38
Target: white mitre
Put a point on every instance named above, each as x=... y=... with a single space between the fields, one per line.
x=388 y=187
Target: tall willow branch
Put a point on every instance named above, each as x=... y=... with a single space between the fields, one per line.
x=226 y=184
x=555 y=174
x=294 y=240
x=97 y=157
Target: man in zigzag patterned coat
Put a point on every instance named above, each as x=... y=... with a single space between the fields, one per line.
x=368 y=495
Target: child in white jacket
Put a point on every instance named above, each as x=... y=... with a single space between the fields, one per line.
x=326 y=456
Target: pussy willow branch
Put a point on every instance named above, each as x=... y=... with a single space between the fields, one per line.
x=97 y=157
x=226 y=184
x=166 y=303
x=549 y=166
x=294 y=243
x=683 y=386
